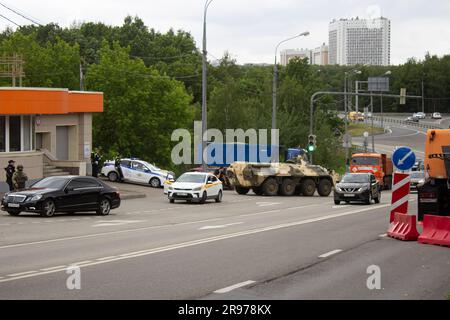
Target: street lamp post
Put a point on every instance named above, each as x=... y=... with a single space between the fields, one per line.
x=275 y=79
x=204 y=83
x=387 y=73
x=347 y=153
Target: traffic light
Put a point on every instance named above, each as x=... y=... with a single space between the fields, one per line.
x=311 y=143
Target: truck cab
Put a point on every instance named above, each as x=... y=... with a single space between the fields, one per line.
x=378 y=164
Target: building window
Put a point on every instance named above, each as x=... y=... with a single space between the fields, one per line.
x=2 y=134
x=14 y=133
x=17 y=133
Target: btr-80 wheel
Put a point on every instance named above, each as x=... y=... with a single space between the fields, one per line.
x=325 y=187
x=270 y=187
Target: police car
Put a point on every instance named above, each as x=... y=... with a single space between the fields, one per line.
x=195 y=187
x=137 y=171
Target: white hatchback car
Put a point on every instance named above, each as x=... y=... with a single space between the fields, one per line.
x=195 y=187
x=436 y=115
x=137 y=171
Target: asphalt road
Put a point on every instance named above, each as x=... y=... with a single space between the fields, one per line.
x=150 y=249
x=246 y=247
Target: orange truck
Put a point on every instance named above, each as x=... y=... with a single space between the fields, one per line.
x=377 y=163
x=434 y=194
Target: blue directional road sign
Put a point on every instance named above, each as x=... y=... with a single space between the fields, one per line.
x=404 y=158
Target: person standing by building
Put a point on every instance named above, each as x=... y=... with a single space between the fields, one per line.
x=19 y=178
x=10 y=169
x=95 y=159
x=117 y=165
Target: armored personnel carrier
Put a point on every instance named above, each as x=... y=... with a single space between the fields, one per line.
x=295 y=177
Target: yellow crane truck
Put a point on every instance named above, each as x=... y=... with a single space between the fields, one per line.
x=434 y=194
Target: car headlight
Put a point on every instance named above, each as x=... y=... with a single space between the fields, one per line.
x=338 y=189
x=363 y=189
x=36 y=197
x=170 y=188
x=197 y=189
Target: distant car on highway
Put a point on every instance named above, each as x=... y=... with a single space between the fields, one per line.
x=436 y=115
x=137 y=171
x=359 y=187
x=196 y=187
x=421 y=115
x=413 y=118
x=417 y=178
x=63 y=194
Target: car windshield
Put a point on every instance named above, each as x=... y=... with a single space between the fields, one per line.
x=417 y=175
x=366 y=161
x=192 y=178
x=150 y=166
x=355 y=178
x=51 y=183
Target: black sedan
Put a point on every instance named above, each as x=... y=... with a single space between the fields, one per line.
x=63 y=194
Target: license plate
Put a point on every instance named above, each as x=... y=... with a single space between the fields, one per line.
x=13 y=205
x=182 y=194
x=349 y=195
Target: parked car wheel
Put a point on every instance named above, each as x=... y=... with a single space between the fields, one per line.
x=13 y=213
x=104 y=207
x=49 y=208
x=172 y=200
x=113 y=176
x=337 y=202
x=155 y=183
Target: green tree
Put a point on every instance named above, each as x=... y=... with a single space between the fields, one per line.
x=141 y=107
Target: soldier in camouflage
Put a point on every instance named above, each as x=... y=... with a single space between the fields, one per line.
x=19 y=178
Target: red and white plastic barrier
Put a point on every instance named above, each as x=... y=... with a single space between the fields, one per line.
x=403 y=227
x=436 y=230
x=400 y=194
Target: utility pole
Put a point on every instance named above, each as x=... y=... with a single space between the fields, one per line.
x=204 y=84
x=371 y=110
x=357 y=97
x=347 y=153
x=423 y=96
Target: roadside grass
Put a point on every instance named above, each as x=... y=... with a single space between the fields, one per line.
x=448 y=296
x=358 y=129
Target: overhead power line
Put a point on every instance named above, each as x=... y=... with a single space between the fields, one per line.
x=2 y=16
x=20 y=14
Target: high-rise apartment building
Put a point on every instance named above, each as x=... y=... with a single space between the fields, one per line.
x=360 y=41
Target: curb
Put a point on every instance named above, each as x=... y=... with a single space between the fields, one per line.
x=132 y=196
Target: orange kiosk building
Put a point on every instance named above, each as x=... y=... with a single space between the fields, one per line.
x=49 y=131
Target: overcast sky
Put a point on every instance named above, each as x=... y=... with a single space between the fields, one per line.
x=250 y=29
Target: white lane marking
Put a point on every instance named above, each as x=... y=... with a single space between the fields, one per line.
x=207 y=240
x=106 y=258
x=328 y=254
x=235 y=286
x=267 y=204
x=258 y=213
x=22 y=273
x=5 y=224
x=303 y=207
x=52 y=268
x=384 y=235
x=163 y=226
x=81 y=262
x=109 y=223
x=339 y=206
x=220 y=226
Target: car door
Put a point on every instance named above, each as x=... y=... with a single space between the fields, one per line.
x=125 y=165
x=89 y=193
x=211 y=186
x=140 y=173
x=71 y=197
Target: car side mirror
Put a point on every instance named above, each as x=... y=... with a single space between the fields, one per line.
x=69 y=189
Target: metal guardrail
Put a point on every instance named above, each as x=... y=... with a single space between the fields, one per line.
x=407 y=123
